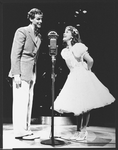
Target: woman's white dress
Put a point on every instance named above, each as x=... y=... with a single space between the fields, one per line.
x=82 y=90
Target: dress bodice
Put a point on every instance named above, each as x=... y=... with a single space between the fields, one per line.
x=70 y=59
x=74 y=56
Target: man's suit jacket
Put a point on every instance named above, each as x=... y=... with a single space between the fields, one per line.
x=24 y=53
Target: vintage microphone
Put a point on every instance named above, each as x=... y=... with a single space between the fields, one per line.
x=52 y=35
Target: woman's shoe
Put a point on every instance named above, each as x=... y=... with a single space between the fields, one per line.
x=82 y=136
x=75 y=135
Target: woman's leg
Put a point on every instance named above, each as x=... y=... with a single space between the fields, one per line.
x=79 y=122
x=86 y=118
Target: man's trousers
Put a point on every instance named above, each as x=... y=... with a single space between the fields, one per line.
x=22 y=106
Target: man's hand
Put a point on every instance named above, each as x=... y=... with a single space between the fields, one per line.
x=17 y=80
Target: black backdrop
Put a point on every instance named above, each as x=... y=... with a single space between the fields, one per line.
x=97 y=30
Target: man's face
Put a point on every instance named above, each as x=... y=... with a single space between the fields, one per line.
x=37 y=20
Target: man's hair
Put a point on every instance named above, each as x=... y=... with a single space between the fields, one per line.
x=31 y=14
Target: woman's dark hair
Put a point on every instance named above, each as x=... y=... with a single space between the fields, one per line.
x=32 y=12
x=75 y=35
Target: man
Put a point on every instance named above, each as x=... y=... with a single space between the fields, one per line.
x=24 y=56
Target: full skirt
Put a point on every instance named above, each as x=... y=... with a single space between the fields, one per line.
x=82 y=92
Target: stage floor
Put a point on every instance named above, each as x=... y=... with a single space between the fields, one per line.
x=98 y=137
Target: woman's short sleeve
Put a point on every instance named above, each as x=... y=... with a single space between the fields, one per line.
x=63 y=54
x=79 y=49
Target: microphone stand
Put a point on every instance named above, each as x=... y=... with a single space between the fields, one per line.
x=52 y=141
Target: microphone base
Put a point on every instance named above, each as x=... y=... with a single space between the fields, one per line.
x=52 y=142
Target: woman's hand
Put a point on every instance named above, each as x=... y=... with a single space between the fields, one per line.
x=89 y=60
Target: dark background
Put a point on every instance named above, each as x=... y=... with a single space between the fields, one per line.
x=97 y=31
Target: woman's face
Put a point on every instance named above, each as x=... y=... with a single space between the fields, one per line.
x=67 y=35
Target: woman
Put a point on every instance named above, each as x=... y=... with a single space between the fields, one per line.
x=82 y=90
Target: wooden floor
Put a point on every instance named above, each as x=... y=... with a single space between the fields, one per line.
x=98 y=137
